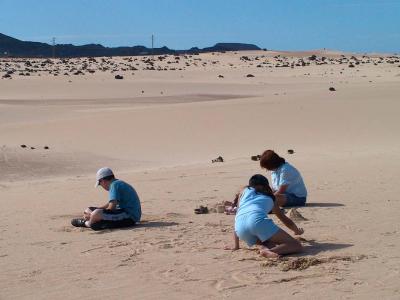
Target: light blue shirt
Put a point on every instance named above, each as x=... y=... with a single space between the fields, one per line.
x=288 y=175
x=254 y=202
x=126 y=197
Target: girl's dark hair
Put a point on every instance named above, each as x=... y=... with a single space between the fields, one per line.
x=261 y=185
x=270 y=160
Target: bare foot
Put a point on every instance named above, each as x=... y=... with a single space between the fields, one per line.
x=230 y=248
x=268 y=253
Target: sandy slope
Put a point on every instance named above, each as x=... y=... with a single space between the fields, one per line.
x=162 y=141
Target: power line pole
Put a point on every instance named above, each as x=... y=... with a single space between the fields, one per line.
x=152 y=46
x=53 y=40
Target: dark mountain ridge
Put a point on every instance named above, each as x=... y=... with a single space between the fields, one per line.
x=13 y=47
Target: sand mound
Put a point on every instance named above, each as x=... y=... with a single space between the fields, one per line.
x=302 y=263
x=295 y=215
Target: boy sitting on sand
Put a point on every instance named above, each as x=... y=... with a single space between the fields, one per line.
x=253 y=226
x=122 y=209
x=287 y=183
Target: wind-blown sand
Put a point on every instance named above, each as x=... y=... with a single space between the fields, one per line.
x=159 y=130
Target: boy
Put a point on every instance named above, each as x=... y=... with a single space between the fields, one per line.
x=122 y=209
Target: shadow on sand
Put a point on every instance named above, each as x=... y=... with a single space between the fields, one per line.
x=143 y=224
x=312 y=247
x=323 y=204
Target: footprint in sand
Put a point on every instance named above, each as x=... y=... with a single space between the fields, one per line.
x=175 y=274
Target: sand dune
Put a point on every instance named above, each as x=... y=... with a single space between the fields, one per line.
x=163 y=139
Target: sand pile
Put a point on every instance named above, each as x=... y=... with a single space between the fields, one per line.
x=295 y=215
x=301 y=263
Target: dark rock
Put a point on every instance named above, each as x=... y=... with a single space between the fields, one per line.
x=250 y=75
x=23 y=146
x=312 y=57
x=220 y=76
x=46 y=147
x=332 y=89
x=290 y=151
x=119 y=77
x=255 y=157
x=218 y=159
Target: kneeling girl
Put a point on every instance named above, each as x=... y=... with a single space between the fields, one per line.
x=253 y=226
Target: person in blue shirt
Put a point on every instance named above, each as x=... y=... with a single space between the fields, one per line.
x=253 y=225
x=122 y=209
x=287 y=182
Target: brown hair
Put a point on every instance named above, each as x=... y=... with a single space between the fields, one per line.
x=270 y=160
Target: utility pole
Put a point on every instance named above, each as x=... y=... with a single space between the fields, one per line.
x=53 y=40
x=152 y=46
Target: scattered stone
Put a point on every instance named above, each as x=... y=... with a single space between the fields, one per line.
x=220 y=76
x=255 y=157
x=218 y=159
x=312 y=57
x=201 y=210
x=290 y=151
x=33 y=148
x=46 y=147
x=119 y=77
x=23 y=146
x=249 y=75
x=332 y=89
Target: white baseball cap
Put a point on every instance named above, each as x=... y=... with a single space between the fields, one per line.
x=101 y=173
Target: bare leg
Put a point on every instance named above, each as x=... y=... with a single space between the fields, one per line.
x=264 y=251
x=280 y=199
x=284 y=244
x=95 y=216
x=86 y=214
x=267 y=244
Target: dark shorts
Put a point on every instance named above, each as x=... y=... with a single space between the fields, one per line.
x=293 y=200
x=116 y=218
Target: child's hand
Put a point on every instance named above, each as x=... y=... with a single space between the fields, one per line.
x=226 y=247
x=299 y=231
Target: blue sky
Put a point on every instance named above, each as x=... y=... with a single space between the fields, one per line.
x=352 y=25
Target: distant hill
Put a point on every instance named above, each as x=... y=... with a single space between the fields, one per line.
x=10 y=46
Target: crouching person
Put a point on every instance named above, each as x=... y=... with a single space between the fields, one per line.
x=122 y=209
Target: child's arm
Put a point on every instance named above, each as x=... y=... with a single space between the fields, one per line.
x=109 y=205
x=237 y=198
x=282 y=189
x=285 y=220
x=236 y=242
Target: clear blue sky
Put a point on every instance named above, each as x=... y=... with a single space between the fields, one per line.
x=350 y=25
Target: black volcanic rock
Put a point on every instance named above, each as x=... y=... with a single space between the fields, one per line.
x=10 y=46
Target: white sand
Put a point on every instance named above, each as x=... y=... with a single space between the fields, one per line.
x=162 y=141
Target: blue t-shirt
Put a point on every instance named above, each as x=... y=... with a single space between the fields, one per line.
x=126 y=197
x=254 y=203
x=288 y=175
